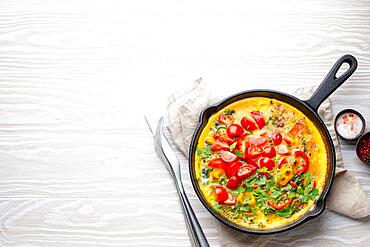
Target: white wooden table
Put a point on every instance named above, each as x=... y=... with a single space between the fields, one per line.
x=77 y=162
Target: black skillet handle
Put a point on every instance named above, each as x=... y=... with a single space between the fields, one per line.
x=332 y=82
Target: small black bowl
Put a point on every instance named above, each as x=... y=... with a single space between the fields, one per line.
x=362 y=141
x=353 y=140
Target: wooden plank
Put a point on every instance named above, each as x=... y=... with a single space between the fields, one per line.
x=77 y=165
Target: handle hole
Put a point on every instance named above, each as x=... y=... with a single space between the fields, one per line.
x=343 y=68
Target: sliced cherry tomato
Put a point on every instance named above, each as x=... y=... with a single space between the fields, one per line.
x=227 y=139
x=217 y=146
x=216 y=136
x=259 y=119
x=233 y=182
x=228 y=156
x=252 y=162
x=226 y=119
x=242 y=145
x=281 y=204
x=217 y=163
x=283 y=161
x=231 y=200
x=234 y=130
x=269 y=152
x=266 y=162
x=313 y=185
x=232 y=169
x=293 y=184
x=257 y=141
x=297 y=128
x=221 y=193
x=287 y=140
x=245 y=171
x=276 y=138
x=266 y=174
x=306 y=162
x=282 y=149
x=254 y=152
x=248 y=124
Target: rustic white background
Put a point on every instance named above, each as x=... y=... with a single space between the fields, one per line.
x=77 y=163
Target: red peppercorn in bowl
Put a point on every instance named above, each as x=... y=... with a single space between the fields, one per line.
x=363 y=148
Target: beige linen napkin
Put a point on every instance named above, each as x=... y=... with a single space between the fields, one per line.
x=184 y=107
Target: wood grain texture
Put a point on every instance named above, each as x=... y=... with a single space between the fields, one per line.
x=77 y=162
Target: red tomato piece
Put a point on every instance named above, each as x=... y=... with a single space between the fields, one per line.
x=248 y=124
x=283 y=161
x=217 y=163
x=242 y=145
x=233 y=168
x=313 y=185
x=234 y=130
x=266 y=162
x=287 y=140
x=276 y=138
x=269 y=152
x=245 y=171
x=259 y=119
x=254 y=152
x=281 y=204
x=228 y=156
x=227 y=139
x=231 y=201
x=282 y=149
x=293 y=184
x=266 y=174
x=217 y=146
x=254 y=186
x=297 y=128
x=257 y=141
x=225 y=119
x=221 y=193
x=233 y=182
x=306 y=162
x=216 y=136
x=252 y=162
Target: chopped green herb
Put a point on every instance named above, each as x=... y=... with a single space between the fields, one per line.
x=314 y=194
x=239 y=153
x=249 y=132
x=303 y=198
x=232 y=146
x=223 y=181
x=240 y=189
x=285 y=212
x=291 y=194
x=300 y=190
x=261 y=181
x=229 y=112
x=263 y=169
x=217 y=206
x=205 y=153
x=275 y=194
x=205 y=172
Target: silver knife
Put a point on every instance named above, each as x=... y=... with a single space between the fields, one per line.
x=168 y=157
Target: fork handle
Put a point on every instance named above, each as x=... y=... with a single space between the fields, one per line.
x=199 y=239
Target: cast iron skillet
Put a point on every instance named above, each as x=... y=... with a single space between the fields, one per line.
x=309 y=108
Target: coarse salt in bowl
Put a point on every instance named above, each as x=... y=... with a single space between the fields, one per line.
x=349 y=125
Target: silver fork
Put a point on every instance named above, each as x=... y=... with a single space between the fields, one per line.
x=168 y=157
